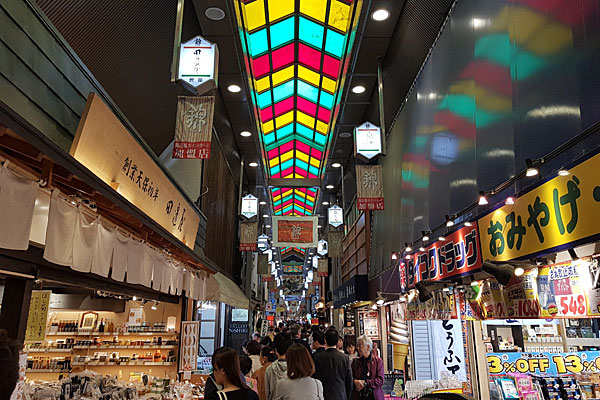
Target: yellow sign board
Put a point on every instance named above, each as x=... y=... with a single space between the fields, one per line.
x=38 y=315
x=558 y=212
x=104 y=146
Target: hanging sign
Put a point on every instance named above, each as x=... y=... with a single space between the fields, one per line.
x=263 y=242
x=198 y=64
x=323 y=268
x=248 y=233
x=38 y=315
x=322 y=247
x=354 y=289
x=554 y=214
x=369 y=187
x=188 y=358
x=295 y=231
x=193 y=127
x=262 y=265
x=249 y=206
x=335 y=242
x=544 y=363
x=458 y=254
x=105 y=147
x=448 y=348
x=367 y=140
x=440 y=307
x=335 y=216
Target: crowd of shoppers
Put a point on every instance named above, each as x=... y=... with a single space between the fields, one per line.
x=284 y=366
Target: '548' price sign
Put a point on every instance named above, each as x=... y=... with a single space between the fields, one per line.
x=571 y=305
x=543 y=363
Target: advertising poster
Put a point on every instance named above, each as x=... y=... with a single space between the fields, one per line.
x=295 y=231
x=448 y=348
x=544 y=363
x=38 y=315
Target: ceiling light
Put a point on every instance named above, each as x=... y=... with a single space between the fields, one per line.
x=394 y=256
x=253 y=164
x=425 y=236
x=449 y=221
x=421 y=248
x=262 y=203
x=441 y=238
x=519 y=271
x=482 y=199
x=319 y=226
x=214 y=13
x=509 y=201
x=273 y=248
x=380 y=15
x=245 y=133
x=407 y=257
x=134 y=298
x=380 y=299
x=374 y=307
x=563 y=172
x=358 y=89
x=234 y=88
x=267 y=226
x=325 y=203
x=468 y=223
x=345 y=135
x=329 y=187
x=408 y=248
x=336 y=165
x=154 y=306
x=265 y=215
x=531 y=169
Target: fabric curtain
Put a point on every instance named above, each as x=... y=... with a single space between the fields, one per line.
x=103 y=250
x=159 y=261
x=167 y=277
x=62 y=218
x=146 y=266
x=17 y=204
x=119 y=265
x=84 y=240
x=134 y=261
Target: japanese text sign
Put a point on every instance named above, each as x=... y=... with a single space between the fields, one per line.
x=198 y=63
x=38 y=315
x=105 y=147
x=335 y=216
x=449 y=351
x=544 y=363
x=248 y=236
x=367 y=140
x=193 y=127
x=249 y=206
x=369 y=187
x=323 y=267
x=553 y=214
x=295 y=231
x=458 y=254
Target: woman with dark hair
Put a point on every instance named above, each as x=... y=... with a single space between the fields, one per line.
x=227 y=374
x=267 y=356
x=298 y=385
x=253 y=349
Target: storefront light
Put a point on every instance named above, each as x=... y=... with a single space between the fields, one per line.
x=509 y=201
x=563 y=172
x=468 y=223
x=425 y=235
x=482 y=199
x=394 y=256
x=519 y=271
x=374 y=307
x=408 y=247
x=532 y=169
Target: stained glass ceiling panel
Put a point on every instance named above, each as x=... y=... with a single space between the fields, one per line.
x=297 y=55
x=294 y=201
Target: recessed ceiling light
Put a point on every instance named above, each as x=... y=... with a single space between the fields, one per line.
x=336 y=165
x=234 y=88
x=380 y=15
x=253 y=164
x=329 y=187
x=325 y=203
x=245 y=133
x=345 y=135
x=265 y=215
x=214 y=13
x=358 y=89
x=267 y=226
x=262 y=203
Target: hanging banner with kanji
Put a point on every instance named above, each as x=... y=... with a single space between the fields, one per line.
x=335 y=240
x=369 y=187
x=559 y=212
x=262 y=265
x=193 y=126
x=323 y=267
x=295 y=231
x=266 y=278
x=272 y=286
x=248 y=236
x=38 y=315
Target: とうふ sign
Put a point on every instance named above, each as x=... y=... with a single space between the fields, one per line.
x=556 y=213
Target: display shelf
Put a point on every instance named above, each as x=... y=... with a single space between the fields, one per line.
x=111 y=334
x=594 y=342
x=125 y=364
x=48 y=351
x=132 y=347
x=48 y=371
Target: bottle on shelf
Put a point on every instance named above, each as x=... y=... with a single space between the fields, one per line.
x=111 y=326
x=101 y=326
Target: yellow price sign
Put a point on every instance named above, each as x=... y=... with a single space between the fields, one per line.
x=558 y=212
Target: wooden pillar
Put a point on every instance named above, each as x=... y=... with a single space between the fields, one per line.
x=15 y=307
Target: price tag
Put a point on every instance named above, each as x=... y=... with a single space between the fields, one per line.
x=573 y=305
x=187 y=375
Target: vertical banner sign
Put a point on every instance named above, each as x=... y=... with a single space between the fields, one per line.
x=335 y=241
x=323 y=268
x=190 y=331
x=457 y=254
x=193 y=127
x=559 y=212
x=369 y=187
x=272 y=286
x=249 y=206
x=38 y=315
x=449 y=351
x=335 y=216
x=248 y=236
x=295 y=231
x=367 y=140
x=263 y=267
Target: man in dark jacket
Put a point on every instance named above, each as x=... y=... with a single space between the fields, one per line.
x=332 y=368
x=295 y=333
x=318 y=343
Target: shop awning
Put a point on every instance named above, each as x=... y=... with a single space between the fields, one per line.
x=221 y=288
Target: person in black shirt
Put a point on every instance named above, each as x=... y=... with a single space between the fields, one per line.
x=296 y=337
x=226 y=371
x=9 y=365
x=332 y=368
x=318 y=343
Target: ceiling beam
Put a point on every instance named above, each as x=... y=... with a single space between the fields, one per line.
x=294 y=183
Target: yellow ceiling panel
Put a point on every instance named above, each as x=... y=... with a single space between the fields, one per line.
x=280 y=8
x=305 y=119
x=300 y=155
x=254 y=14
x=267 y=127
x=286 y=156
x=283 y=75
x=262 y=84
x=339 y=15
x=308 y=75
x=322 y=127
x=284 y=119
x=328 y=84
x=314 y=8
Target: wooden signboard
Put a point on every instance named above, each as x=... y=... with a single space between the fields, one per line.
x=248 y=236
x=369 y=187
x=323 y=267
x=105 y=147
x=193 y=127
x=38 y=315
x=335 y=240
